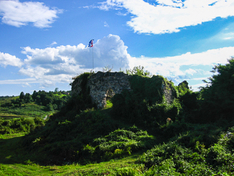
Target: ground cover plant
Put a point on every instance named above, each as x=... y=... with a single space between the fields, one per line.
x=136 y=134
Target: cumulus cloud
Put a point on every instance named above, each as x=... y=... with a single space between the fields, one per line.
x=168 y=16
x=51 y=65
x=111 y=51
x=7 y=59
x=59 y=64
x=171 y=67
x=18 y=14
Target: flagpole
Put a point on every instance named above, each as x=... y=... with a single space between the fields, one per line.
x=91 y=45
x=92 y=58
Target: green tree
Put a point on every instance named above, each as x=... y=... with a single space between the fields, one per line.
x=138 y=71
x=21 y=95
x=38 y=99
x=49 y=107
x=218 y=97
x=56 y=90
x=28 y=98
x=34 y=95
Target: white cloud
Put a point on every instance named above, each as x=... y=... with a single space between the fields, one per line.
x=53 y=43
x=190 y=71
x=169 y=16
x=106 y=24
x=117 y=5
x=7 y=59
x=61 y=63
x=171 y=67
x=25 y=81
x=196 y=87
x=18 y=14
x=227 y=36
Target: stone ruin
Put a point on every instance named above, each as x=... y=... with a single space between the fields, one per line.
x=104 y=85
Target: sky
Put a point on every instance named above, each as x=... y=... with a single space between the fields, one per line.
x=44 y=44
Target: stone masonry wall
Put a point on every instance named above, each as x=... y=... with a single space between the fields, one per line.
x=104 y=85
x=168 y=92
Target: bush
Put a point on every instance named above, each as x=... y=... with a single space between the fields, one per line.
x=126 y=171
x=122 y=142
x=20 y=125
x=166 y=168
x=218 y=156
x=159 y=153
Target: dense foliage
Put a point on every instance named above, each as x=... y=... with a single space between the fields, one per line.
x=20 y=125
x=218 y=96
x=146 y=104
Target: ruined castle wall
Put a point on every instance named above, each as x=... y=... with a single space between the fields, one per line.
x=168 y=92
x=104 y=85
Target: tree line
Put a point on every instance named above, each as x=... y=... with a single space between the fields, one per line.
x=52 y=100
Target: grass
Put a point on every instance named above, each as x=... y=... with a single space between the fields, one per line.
x=26 y=110
x=9 y=116
x=16 y=161
x=109 y=104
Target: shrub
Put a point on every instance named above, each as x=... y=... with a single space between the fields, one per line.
x=167 y=168
x=126 y=171
x=159 y=153
x=218 y=156
x=123 y=142
x=20 y=125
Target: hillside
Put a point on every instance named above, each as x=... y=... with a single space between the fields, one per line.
x=25 y=112
x=164 y=129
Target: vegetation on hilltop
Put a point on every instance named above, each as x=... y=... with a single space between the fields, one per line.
x=191 y=136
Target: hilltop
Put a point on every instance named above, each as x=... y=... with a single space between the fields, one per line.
x=170 y=129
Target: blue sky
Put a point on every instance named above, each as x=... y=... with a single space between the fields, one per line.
x=43 y=44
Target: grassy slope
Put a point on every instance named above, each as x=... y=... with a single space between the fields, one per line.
x=17 y=161
x=26 y=110
x=20 y=161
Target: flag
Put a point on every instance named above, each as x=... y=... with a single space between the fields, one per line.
x=91 y=43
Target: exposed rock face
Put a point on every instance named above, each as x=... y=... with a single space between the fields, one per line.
x=104 y=85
